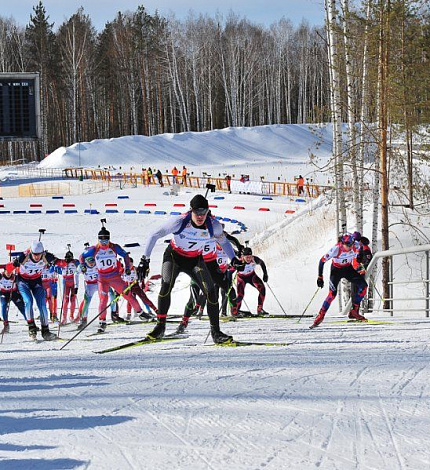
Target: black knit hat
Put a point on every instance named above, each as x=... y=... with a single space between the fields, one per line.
x=104 y=233
x=247 y=251
x=68 y=255
x=199 y=202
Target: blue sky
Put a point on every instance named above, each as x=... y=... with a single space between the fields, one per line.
x=101 y=11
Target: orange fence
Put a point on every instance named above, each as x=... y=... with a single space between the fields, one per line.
x=268 y=188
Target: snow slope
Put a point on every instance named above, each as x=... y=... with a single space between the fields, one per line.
x=342 y=396
x=279 y=150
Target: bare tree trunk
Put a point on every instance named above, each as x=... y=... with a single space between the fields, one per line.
x=383 y=71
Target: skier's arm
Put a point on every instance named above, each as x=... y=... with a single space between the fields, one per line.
x=222 y=240
x=235 y=242
x=173 y=225
x=119 y=250
x=329 y=255
x=261 y=263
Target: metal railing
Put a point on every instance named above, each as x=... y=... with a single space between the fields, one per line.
x=425 y=282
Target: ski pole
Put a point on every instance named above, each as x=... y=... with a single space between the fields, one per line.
x=279 y=303
x=61 y=308
x=10 y=248
x=97 y=316
x=307 y=306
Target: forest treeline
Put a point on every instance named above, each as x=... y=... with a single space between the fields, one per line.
x=147 y=74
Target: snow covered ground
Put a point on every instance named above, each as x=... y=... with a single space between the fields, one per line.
x=342 y=396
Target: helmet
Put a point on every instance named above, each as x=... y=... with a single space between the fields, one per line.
x=199 y=204
x=90 y=261
x=356 y=236
x=247 y=251
x=68 y=256
x=104 y=236
x=37 y=248
x=347 y=239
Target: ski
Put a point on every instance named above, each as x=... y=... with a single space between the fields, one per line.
x=234 y=344
x=369 y=322
x=141 y=342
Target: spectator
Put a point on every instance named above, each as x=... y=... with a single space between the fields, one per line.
x=159 y=177
x=228 y=181
x=184 y=175
x=300 y=183
x=175 y=173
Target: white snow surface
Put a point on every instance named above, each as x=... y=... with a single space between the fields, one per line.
x=341 y=396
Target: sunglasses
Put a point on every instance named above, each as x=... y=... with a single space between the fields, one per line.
x=103 y=237
x=200 y=211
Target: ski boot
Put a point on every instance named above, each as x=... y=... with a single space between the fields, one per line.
x=47 y=335
x=145 y=316
x=32 y=330
x=354 y=315
x=219 y=337
x=6 y=327
x=181 y=329
x=157 y=332
x=261 y=312
x=83 y=324
x=319 y=318
x=128 y=317
x=116 y=318
x=102 y=327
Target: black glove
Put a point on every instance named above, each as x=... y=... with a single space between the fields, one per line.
x=239 y=253
x=237 y=264
x=16 y=262
x=83 y=269
x=143 y=268
x=265 y=277
x=320 y=282
x=127 y=271
x=76 y=291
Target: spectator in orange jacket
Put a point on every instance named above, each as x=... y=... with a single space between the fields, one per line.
x=184 y=175
x=300 y=183
x=175 y=173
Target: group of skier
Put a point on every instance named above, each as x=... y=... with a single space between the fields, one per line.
x=199 y=247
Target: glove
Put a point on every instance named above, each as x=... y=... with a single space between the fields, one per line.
x=239 y=253
x=76 y=291
x=265 y=277
x=83 y=269
x=237 y=264
x=127 y=271
x=320 y=282
x=361 y=270
x=16 y=262
x=143 y=268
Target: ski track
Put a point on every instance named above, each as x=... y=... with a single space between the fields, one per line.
x=247 y=408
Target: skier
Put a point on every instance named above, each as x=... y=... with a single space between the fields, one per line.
x=90 y=272
x=191 y=233
x=247 y=275
x=217 y=263
x=137 y=291
x=105 y=254
x=8 y=293
x=29 y=280
x=344 y=266
x=49 y=278
x=69 y=272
